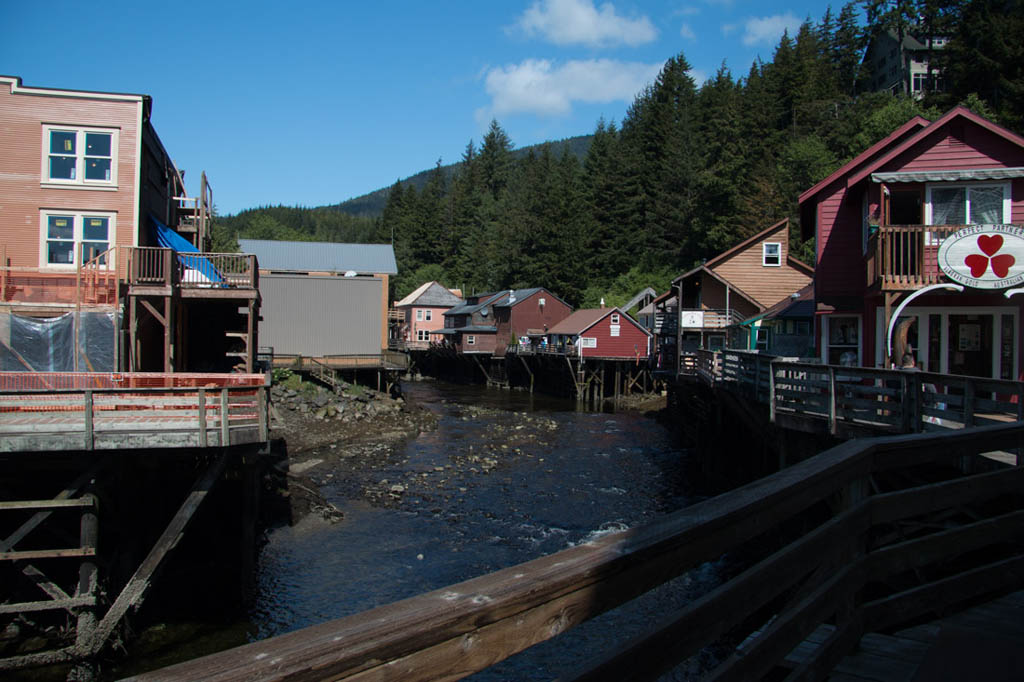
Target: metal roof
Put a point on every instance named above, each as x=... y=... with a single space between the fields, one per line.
x=377 y=259
x=430 y=294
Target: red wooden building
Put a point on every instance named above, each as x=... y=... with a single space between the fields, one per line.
x=489 y=323
x=602 y=333
x=879 y=222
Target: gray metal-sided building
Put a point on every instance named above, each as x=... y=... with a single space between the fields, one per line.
x=322 y=299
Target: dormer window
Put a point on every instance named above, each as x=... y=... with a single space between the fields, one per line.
x=771 y=254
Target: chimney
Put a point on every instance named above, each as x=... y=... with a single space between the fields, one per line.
x=602 y=303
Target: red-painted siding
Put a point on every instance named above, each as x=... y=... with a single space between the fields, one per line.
x=513 y=321
x=629 y=344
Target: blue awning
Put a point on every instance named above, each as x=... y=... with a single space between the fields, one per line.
x=200 y=266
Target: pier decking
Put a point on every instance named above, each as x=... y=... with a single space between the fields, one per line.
x=84 y=411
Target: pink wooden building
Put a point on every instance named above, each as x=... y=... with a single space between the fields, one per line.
x=879 y=222
x=604 y=333
x=422 y=314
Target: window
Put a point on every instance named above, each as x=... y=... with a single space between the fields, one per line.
x=771 y=254
x=79 y=156
x=422 y=334
x=615 y=318
x=966 y=205
x=843 y=341
x=761 y=342
x=470 y=340
x=70 y=239
x=541 y=302
x=427 y=315
x=419 y=315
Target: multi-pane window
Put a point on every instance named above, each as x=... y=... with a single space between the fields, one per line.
x=422 y=334
x=771 y=253
x=76 y=238
x=967 y=204
x=79 y=156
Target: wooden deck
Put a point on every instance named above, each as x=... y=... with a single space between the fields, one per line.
x=90 y=412
x=985 y=642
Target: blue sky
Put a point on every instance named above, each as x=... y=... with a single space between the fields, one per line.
x=313 y=103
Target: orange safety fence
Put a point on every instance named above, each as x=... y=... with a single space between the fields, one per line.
x=43 y=381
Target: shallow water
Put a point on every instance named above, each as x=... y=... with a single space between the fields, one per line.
x=505 y=478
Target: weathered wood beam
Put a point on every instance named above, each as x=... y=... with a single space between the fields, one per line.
x=136 y=588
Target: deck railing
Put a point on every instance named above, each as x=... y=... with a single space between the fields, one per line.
x=154 y=266
x=860 y=398
x=835 y=543
x=905 y=257
x=700 y=318
x=191 y=410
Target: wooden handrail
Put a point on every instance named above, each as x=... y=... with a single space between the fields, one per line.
x=802 y=580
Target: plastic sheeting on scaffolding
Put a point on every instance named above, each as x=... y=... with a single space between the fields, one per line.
x=47 y=344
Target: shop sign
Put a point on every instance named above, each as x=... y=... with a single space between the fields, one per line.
x=984 y=256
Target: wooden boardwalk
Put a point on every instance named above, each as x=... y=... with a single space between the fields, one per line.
x=984 y=642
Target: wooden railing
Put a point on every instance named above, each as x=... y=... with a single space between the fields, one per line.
x=859 y=400
x=388 y=359
x=152 y=266
x=901 y=257
x=838 y=543
x=94 y=416
x=711 y=319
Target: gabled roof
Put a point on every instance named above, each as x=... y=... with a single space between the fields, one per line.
x=362 y=259
x=909 y=127
x=432 y=295
x=520 y=295
x=482 y=302
x=582 y=320
x=711 y=273
x=898 y=142
x=745 y=244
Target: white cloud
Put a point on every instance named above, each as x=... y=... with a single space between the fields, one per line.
x=768 y=30
x=579 y=22
x=686 y=32
x=539 y=86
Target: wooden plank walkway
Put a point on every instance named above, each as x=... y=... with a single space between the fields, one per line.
x=985 y=642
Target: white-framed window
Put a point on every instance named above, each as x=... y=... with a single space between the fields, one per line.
x=965 y=204
x=70 y=238
x=470 y=340
x=541 y=302
x=771 y=254
x=419 y=315
x=422 y=334
x=79 y=156
x=972 y=204
x=615 y=318
x=761 y=339
x=427 y=315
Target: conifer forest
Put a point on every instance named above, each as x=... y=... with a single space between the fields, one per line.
x=691 y=170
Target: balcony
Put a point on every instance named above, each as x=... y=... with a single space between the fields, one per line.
x=707 y=318
x=905 y=257
x=162 y=270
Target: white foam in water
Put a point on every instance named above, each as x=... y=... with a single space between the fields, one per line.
x=605 y=529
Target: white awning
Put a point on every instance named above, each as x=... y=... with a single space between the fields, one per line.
x=949 y=175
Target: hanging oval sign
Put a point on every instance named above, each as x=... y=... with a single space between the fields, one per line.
x=984 y=256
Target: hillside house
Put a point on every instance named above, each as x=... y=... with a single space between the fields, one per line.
x=488 y=323
x=716 y=296
x=902 y=68
x=422 y=314
x=323 y=299
x=887 y=225
x=602 y=333
x=94 y=219
x=523 y=317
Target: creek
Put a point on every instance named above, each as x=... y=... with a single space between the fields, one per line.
x=506 y=477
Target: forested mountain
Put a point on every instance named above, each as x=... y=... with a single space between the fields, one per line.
x=690 y=170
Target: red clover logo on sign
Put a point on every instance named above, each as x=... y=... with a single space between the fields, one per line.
x=984 y=256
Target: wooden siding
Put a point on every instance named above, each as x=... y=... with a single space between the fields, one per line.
x=713 y=298
x=631 y=339
x=841 y=270
x=485 y=342
x=22 y=117
x=767 y=284
x=527 y=314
